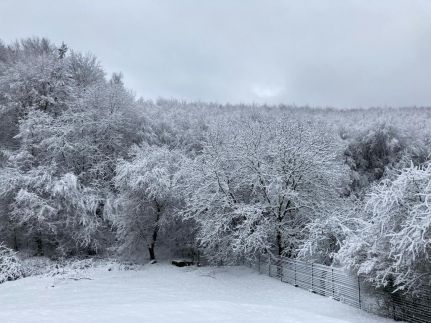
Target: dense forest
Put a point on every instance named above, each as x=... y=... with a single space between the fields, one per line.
x=88 y=169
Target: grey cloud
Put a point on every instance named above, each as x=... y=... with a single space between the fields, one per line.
x=321 y=52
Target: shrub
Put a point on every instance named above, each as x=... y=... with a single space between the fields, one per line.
x=10 y=265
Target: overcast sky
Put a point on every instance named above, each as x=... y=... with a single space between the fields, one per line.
x=325 y=52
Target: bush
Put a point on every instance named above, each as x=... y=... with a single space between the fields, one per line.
x=10 y=265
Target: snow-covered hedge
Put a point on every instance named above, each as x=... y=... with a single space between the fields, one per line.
x=10 y=265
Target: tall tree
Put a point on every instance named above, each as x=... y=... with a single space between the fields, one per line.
x=149 y=196
x=258 y=183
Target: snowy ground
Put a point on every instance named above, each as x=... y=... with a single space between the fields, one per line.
x=164 y=293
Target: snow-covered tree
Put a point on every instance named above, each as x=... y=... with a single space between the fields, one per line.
x=378 y=148
x=258 y=183
x=85 y=70
x=394 y=248
x=53 y=210
x=67 y=125
x=149 y=196
x=37 y=77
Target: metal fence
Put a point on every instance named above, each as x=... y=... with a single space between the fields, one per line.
x=412 y=309
x=346 y=288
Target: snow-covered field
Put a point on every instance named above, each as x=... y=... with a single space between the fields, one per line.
x=164 y=293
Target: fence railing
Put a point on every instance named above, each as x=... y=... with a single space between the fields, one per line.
x=344 y=287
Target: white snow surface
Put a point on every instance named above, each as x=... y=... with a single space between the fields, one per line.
x=164 y=293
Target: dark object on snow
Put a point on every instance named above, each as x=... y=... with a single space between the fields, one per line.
x=182 y=263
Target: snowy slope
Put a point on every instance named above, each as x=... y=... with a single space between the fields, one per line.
x=163 y=293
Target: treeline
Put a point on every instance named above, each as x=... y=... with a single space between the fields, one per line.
x=87 y=169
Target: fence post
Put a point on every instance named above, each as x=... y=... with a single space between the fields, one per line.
x=296 y=285
x=332 y=279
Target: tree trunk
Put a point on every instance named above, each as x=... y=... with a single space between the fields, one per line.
x=153 y=243
x=15 y=240
x=155 y=232
x=39 y=245
x=280 y=246
x=151 y=251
